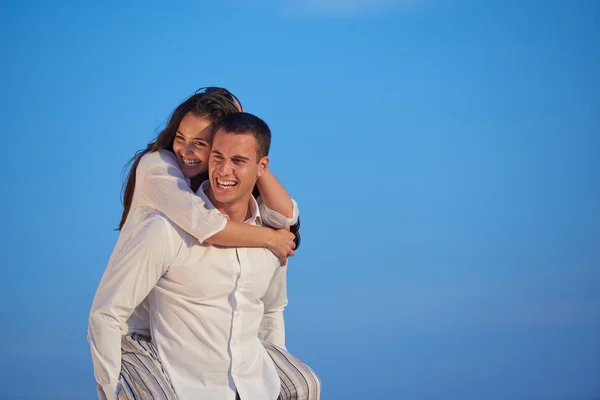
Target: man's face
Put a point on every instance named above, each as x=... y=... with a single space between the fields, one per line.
x=234 y=167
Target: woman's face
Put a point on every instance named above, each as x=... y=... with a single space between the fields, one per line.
x=192 y=144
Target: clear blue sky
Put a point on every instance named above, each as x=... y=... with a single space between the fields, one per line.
x=445 y=156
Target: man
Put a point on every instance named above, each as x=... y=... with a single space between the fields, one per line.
x=210 y=306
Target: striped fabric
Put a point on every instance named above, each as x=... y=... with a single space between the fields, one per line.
x=143 y=376
x=298 y=381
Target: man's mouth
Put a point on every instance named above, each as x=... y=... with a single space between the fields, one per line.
x=224 y=184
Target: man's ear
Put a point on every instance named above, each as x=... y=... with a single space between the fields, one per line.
x=263 y=165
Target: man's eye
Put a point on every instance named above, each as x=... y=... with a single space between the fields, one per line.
x=238 y=161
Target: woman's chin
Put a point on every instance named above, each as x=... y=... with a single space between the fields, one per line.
x=191 y=172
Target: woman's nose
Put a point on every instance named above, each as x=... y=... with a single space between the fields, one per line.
x=188 y=148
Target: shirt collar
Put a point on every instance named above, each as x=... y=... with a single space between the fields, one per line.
x=254 y=219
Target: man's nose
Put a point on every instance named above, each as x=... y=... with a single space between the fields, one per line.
x=225 y=168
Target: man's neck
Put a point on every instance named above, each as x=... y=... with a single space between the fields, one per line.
x=238 y=211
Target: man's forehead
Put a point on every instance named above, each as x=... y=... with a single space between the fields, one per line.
x=236 y=140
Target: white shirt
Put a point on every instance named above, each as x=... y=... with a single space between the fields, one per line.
x=209 y=308
x=161 y=186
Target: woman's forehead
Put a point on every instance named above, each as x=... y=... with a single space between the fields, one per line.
x=194 y=126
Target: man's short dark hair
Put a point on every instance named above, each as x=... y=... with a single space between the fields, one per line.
x=246 y=123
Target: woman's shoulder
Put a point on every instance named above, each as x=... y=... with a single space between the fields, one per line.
x=155 y=159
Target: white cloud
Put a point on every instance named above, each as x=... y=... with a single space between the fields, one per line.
x=343 y=7
x=349 y=6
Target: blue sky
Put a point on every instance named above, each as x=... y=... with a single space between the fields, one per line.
x=445 y=156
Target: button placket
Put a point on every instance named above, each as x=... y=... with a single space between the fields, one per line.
x=236 y=269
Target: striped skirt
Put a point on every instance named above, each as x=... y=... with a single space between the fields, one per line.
x=143 y=376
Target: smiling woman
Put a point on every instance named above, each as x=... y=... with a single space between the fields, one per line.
x=192 y=144
x=192 y=116
x=157 y=180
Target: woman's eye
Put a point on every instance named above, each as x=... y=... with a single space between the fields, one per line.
x=200 y=144
x=178 y=138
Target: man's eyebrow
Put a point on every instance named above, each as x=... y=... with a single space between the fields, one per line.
x=241 y=158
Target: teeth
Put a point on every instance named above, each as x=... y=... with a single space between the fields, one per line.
x=191 y=162
x=226 y=184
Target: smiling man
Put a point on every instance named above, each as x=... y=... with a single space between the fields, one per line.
x=216 y=313
x=237 y=159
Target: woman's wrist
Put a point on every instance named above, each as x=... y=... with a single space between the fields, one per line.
x=267 y=237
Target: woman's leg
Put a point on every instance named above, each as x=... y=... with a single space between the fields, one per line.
x=298 y=381
x=143 y=377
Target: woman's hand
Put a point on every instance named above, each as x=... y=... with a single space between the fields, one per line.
x=282 y=244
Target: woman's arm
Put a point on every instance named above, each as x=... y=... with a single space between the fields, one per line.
x=281 y=212
x=161 y=186
x=274 y=196
x=279 y=241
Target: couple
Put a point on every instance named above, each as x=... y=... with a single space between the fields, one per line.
x=196 y=270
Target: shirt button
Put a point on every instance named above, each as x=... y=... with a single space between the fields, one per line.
x=234 y=342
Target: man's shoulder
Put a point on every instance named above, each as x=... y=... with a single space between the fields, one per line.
x=263 y=257
x=159 y=225
x=158 y=218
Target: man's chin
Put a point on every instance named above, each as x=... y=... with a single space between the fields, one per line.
x=222 y=196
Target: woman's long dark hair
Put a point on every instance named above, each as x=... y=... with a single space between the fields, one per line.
x=211 y=103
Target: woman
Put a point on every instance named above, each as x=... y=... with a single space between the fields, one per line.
x=161 y=182
x=163 y=178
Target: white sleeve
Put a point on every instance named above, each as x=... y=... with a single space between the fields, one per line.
x=274 y=219
x=163 y=187
x=272 y=327
x=128 y=279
